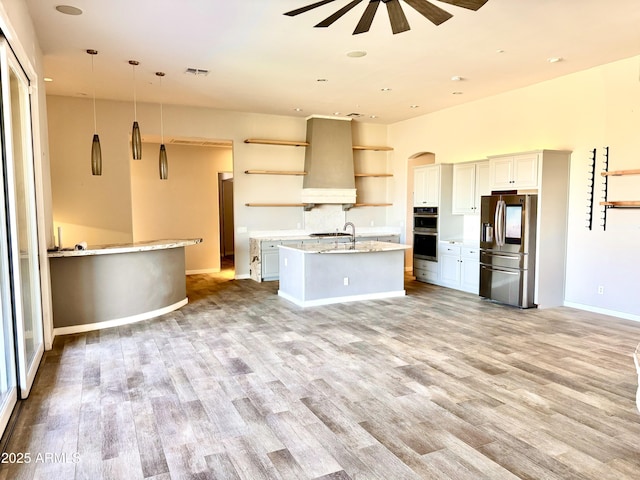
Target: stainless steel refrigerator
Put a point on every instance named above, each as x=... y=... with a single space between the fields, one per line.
x=508 y=248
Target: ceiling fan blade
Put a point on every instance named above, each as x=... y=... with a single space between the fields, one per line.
x=435 y=14
x=468 y=4
x=367 y=17
x=329 y=20
x=300 y=10
x=397 y=18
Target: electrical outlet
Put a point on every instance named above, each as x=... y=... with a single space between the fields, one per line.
x=600 y=289
x=346 y=280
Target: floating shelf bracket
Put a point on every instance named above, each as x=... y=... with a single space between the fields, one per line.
x=605 y=187
x=592 y=183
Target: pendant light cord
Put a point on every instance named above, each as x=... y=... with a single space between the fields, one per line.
x=93 y=80
x=135 y=99
x=160 y=75
x=161 y=117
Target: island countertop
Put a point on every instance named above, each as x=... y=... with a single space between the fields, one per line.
x=124 y=247
x=347 y=247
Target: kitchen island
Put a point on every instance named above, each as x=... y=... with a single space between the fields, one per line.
x=109 y=285
x=321 y=274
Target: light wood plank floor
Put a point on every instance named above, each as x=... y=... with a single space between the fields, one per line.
x=240 y=384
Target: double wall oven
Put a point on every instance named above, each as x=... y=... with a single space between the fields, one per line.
x=425 y=233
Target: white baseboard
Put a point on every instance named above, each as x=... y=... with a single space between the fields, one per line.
x=604 y=311
x=350 y=298
x=244 y=276
x=118 y=321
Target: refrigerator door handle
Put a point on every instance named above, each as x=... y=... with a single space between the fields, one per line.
x=500 y=255
x=493 y=269
x=499 y=222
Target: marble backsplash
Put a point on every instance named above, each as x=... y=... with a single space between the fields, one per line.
x=325 y=218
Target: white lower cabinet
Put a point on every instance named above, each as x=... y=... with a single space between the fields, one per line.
x=470 y=269
x=270 y=258
x=425 y=270
x=459 y=267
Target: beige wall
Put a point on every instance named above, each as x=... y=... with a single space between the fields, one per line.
x=578 y=112
x=183 y=206
x=101 y=209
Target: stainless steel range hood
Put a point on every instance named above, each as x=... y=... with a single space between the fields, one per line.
x=329 y=161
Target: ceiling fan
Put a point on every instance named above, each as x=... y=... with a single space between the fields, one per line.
x=397 y=17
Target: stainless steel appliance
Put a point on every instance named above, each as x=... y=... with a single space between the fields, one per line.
x=425 y=233
x=508 y=248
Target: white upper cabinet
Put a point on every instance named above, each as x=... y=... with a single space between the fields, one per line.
x=426 y=186
x=514 y=171
x=470 y=182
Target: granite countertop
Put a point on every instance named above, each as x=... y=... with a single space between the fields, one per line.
x=358 y=247
x=302 y=235
x=124 y=247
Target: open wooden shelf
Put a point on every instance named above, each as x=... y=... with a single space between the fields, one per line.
x=374 y=175
x=373 y=204
x=619 y=173
x=275 y=204
x=264 y=141
x=377 y=148
x=622 y=203
x=274 y=172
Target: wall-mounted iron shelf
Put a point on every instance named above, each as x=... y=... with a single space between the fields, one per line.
x=620 y=203
x=274 y=172
x=620 y=173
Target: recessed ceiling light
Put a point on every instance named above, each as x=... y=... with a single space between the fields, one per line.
x=47 y=79
x=456 y=93
x=336 y=113
x=373 y=116
x=356 y=54
x=554 y=59
x=297 y=109
x=385 y=89
x=456 y=78
x=499 y=51
x=69 y=10
x=414 y=106
x=322 y=80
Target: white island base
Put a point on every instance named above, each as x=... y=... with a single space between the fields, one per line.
x=316 y=274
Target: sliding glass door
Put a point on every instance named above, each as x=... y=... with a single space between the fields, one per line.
x=20 y=212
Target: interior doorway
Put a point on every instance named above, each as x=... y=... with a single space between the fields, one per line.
x=225 y=203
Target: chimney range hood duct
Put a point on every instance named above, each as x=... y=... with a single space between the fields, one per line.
x=328 y=161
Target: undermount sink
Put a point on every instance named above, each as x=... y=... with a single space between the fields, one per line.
x=330 y=234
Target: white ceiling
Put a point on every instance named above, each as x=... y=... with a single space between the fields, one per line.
x=263 y=61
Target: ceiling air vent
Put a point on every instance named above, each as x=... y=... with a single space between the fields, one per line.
x=355 y=115
x=197 y=71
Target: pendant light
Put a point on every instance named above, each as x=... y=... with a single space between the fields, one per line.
x=162 y=160
x=136 y=139
x=96 y=152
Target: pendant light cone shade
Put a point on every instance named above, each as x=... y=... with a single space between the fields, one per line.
x=136 y=142
x=163 y=164
x=96 y=152
x=96 y=156
x=136 y=139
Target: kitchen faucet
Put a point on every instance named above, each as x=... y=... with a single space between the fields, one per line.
x=353 y=234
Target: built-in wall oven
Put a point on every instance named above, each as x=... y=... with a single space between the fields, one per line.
x=425 y=233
